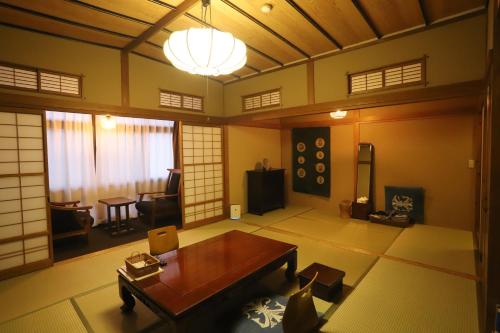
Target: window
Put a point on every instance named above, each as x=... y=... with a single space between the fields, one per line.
x=40 y=80
x=388 y=77
x=262 y=100
x=132 y=157
x=181 y=101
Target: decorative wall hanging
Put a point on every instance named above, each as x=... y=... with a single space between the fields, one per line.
x=409 y=200
x=311 y=160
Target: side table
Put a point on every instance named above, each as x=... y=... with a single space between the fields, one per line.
x=328 y=282
x=117 y=203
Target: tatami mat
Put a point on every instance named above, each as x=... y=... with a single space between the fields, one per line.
x=101 y=310
x=397 y=297
x=195 y=235
x=58 y=318
x=87 y=273
x=354 y=264
x=348 y=233
x=35 y=290
x=274 y=216
x=442 y=247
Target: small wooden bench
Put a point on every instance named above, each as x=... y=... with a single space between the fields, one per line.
x=328 y=284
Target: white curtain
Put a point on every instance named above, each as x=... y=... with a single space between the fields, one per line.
x=133 y=157
x=70 y=150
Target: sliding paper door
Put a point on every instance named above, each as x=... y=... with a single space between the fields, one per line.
x=203 y=174
x=24 y=233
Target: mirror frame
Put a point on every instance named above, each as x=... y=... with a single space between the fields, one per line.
x=370 y=190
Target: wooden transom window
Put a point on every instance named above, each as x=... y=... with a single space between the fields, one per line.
x=388 y=77
x=40 y=80
x=182 y=101
x=261 y=100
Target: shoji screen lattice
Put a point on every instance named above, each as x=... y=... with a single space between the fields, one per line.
x=24 y=235
x=203 y=173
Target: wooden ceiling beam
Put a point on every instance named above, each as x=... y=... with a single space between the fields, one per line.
x=367 y=18
x=169 y=17
x=423 y=12
x=315 y=24
x=66 y=21
x=265 y=27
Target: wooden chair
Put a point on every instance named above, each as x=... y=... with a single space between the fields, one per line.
x=68 y=219
x=163 y=205
x=162 y=240
x=296 y=314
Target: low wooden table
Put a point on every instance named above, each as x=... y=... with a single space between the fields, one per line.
x=117 y=203
x=206 y=276
x=328 y=283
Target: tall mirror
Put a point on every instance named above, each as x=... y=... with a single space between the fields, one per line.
x=364 y=172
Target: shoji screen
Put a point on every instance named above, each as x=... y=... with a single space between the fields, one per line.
x=24 y=235
x=203 y=174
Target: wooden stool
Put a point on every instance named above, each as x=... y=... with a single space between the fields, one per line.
x=328 y=282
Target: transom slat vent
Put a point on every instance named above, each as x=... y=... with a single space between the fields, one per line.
x=262 y=100
x=392 y=76
x=21 y=77
x=176 y=100
x=18 y=77
x=59 y=83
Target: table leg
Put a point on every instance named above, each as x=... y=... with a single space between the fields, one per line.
x=127 y=214
x=126 y=296
x=108 y=208
x=118 y=218
x=291 y=267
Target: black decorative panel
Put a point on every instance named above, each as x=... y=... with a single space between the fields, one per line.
x=311 y=160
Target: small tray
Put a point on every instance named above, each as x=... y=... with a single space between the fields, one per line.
x=141 y=264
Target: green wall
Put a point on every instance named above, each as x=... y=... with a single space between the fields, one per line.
x=99 y=65
x=456 y=53
x=292 y=81
x=147 y=77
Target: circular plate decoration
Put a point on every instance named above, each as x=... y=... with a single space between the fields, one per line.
x=320 y=180
x=301 y=159
x=320 y=155
x=301 y=146
x=320 y=167
x=301 y=172
x=320 y=142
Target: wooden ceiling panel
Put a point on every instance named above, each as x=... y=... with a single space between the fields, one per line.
x=151 y=51
x=340 y=18
x=226 y=19
x=287 y=22
x=438 y=9
x=142 y=10
x=159 y=38
x=71 y=11
x=244 y=71
x=43 y=24
x=390 y=16
x=258 y=61
x=226 y=78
